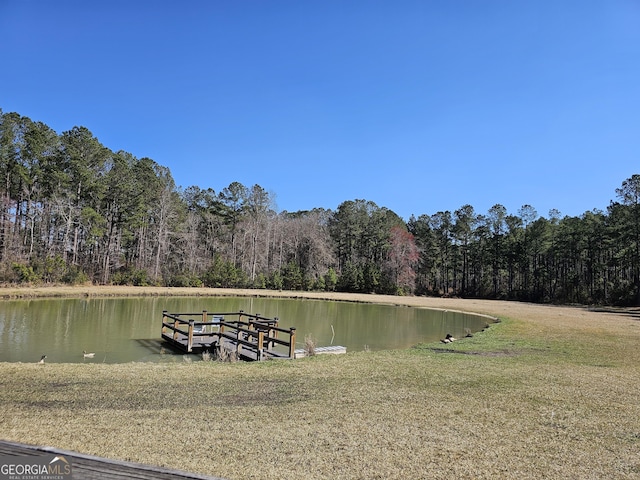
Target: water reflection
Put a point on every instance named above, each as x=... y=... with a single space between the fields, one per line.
x=128 y=329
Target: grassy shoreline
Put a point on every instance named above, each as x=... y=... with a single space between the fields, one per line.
x=550 y=392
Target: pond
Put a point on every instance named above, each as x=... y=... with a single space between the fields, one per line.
x=122 y=330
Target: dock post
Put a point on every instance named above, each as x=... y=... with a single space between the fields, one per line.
x=259 y=352
x=164 y=315
x=292 y=342
x=270 y=332
x=176 y=326
x=190 y=337
x=274 y=333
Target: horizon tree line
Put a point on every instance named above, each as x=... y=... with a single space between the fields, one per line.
x=73 y=211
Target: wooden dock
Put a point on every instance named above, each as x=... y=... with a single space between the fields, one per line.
x=90 y=467
x=250 y=336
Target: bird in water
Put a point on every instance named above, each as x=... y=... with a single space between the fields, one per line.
x=42 y=358
x=88 y=355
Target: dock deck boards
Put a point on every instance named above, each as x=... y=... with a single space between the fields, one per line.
x=202 y=345
x=199 y=343
x=96 y=468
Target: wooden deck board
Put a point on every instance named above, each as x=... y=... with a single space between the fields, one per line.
x=198 y=346
x=96 y=468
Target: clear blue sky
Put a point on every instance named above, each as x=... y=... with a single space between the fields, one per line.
x=418 y=106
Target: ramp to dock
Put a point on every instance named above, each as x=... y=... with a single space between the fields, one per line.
x=90 y=467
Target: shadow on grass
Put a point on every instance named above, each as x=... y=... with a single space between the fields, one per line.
x=500 y=353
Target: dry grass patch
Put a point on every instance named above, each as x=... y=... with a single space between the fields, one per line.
x=366 y=415
x=562 y=404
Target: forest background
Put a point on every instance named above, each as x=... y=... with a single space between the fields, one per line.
x=73 y=211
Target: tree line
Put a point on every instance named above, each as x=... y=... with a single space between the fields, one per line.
x=73 y=211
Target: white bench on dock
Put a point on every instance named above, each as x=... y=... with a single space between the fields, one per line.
x=334 y=349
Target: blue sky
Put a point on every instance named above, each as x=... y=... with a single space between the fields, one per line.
x=418 y=106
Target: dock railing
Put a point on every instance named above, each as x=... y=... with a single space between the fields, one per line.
x=253 y=336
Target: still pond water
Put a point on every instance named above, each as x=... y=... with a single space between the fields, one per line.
x=128 y=329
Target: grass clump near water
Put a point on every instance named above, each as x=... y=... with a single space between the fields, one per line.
x=550 y=392
x=310 y=345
